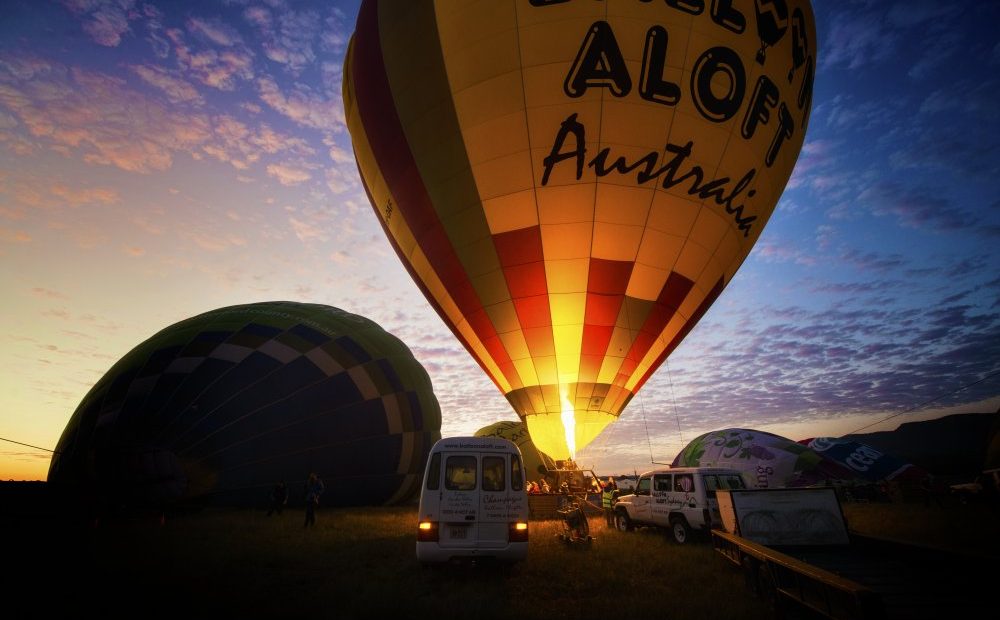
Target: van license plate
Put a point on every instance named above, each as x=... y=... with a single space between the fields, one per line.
x=460 y=532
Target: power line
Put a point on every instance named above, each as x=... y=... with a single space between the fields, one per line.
x=673 y=400
x=925 y=403
x=28 y=445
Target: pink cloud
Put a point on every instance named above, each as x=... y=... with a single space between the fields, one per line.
x=17 y=144
x=302 y=105
x=341 y=179
x=307 y=231
x=775 y=252
x=14 y=236
x=241 y=145
x=342 y=258
x=101 y=119
x=48 y=293
x=177 y=90
x=215 y=242
x=104 y=20
x=287 y=38
x=288 y=175
x=76 y=197
x=214 y=31
x=213 y=68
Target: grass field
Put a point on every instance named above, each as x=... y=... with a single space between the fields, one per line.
x=972 y=529
x=360 y=563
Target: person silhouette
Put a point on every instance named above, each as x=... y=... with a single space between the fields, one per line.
x=279 y=497
x=314 y=488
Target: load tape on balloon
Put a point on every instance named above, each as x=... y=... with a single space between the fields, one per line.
x=572 y=183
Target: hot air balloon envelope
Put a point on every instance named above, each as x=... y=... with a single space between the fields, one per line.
x=223 y=405
x=862 y=460
x=765 y=460
x=535 y=463
x=573 y=183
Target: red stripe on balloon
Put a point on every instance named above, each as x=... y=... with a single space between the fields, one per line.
x=609 y=277
x=520 y=254
x=673 y=293
x=516 y=247
x=420 y=284
x=606 y=284
x=691 y=322
x=394 y=158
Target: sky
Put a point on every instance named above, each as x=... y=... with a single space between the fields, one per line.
x=162 y=159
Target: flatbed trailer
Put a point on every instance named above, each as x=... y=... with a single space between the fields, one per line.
x=865 y=578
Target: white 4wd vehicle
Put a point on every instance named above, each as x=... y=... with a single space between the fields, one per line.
x=680 y=498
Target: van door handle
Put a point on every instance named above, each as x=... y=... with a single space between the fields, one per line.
x=470 y=517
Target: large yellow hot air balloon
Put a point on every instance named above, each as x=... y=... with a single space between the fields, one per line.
x=572 y=183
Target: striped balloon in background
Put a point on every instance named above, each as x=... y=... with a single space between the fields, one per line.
x=222 y=406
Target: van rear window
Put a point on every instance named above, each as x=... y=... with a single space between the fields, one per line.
x=434 y=473
x=460 y=473
x=493 y=473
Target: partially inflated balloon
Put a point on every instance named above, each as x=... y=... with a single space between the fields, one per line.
x=862 y=460
x=765 y=460
x=536 y=463
x=572 y=183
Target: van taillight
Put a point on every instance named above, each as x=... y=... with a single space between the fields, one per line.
x=518 y=531
x=427 y=531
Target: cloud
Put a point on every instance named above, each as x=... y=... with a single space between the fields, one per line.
x=939 y=52
x=941 y=149
x=240 y=145
x=775 y=251
x=39 y=291
x=133 y=251
x=76 y=197
x=99 y=118
x=856 y=39
x=213 y=31
x=339 y=180
x=915 y=12
x=824 y=236
x=177 y=89
x=339 y=155
x=307 y=231
x=342 y=258
x=302 y=105
x=288 y=175
x=213 y=241
x=915 y=207
x=102 y=120
x=291 y=43
x=220 y=69
x=14 y=236
x=104 y=20
x=38 y=192
x=873 y=261
x=17 y=145
x=154 y=31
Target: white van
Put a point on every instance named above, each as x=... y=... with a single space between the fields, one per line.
x=473 y=502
